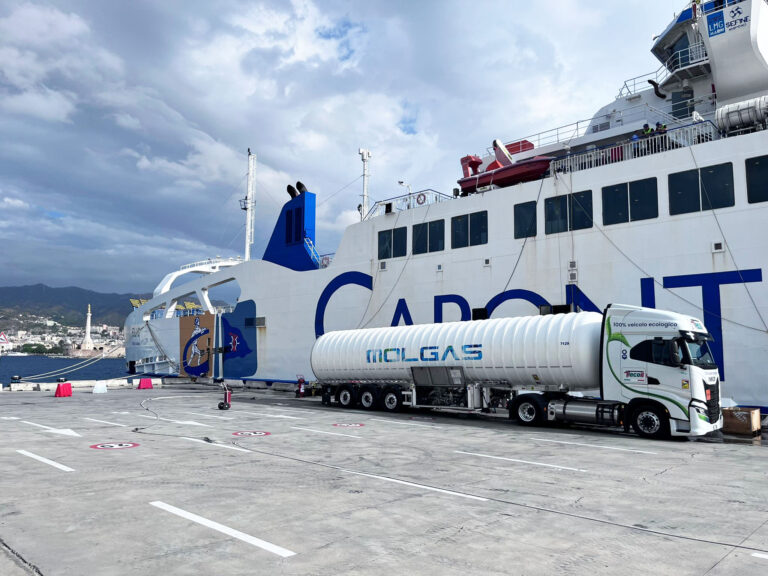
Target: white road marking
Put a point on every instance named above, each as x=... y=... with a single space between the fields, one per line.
x=190 y=422
x=215 y=444
x=263 y=544
x=270 y=415
x=758 y=555
x=324 y=432
x=62 y=431
x=105 y=422
x=414 y=484
x=520 y=461
x=404 y=423
x=290 y=409
x=594 y=446
x=46 y=461
x=9 y=418
x=208 y=415
x=124 y=412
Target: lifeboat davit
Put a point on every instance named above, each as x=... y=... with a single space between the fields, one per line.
x=503 y=171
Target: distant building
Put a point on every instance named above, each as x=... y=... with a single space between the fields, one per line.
x=87 y=344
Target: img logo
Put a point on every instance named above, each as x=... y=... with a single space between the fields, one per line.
x=425 y=354
x=716 y=24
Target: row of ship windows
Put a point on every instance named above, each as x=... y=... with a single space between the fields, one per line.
x=689 y=191
x=466 y=230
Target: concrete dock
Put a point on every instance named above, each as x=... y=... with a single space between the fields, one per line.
x=162 y=482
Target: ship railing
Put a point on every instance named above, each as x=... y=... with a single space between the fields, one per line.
x=693 y=55
x=407 y=202
x=714 y=6
x=312 y=250
x=682 y=137
x=211 y=261
x=640 y=112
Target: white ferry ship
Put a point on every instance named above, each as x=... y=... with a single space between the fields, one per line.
x=660 y=200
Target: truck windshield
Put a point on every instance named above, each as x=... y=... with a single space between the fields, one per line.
x=700 y=353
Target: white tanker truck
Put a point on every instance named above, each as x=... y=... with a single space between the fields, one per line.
x=651 y=369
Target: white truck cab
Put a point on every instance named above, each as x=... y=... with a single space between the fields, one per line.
x=658 y=363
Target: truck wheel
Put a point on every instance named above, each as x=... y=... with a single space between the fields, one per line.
x=345 y=397
x=650 y=422
x=368 y=398
x=529 y=410
x=392 y=400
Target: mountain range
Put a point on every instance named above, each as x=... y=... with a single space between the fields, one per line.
x=67 y=306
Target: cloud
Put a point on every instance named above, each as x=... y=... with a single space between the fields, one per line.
x=44 y=104
x=129 y=122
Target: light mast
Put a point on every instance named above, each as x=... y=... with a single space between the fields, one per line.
x=365 y=155
x=248 y=205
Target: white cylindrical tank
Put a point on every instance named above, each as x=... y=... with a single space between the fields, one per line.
x=559 y=349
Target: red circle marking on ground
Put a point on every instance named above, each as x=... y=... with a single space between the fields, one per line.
x=349 y=425
x=114 y=445
x=251 y=433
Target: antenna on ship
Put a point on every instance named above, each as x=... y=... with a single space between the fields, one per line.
x=248 y=203
x=365 y=155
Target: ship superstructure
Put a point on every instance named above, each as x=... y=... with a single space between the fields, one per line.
x=658 y=200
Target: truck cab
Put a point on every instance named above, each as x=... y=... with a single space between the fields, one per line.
x=659 y=365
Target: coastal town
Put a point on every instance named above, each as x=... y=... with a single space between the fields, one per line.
x=34 y=334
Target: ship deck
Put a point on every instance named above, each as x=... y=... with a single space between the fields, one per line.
x=332 y=491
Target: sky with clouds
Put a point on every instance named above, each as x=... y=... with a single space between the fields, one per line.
x=124 y=125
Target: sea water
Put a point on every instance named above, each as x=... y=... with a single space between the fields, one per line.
x=51 y=368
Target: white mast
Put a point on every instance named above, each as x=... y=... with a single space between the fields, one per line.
x=249 y=204
x=365 y=155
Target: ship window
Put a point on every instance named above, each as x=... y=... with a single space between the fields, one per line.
x=399 y=242
x=580 y=210
x=690 y=193
x=460 y=231
x=385 y=244
x=615 y=204
x=420 y=239
x=717 y=186
x=757 y=179
x=684 y=193
x=437 y=235
x=288 y=226
x=525 y=220
x=556 y=215
x=478 y=228
x=643 y=199
x=393 y=243
x=298 y=226
x=429 y=237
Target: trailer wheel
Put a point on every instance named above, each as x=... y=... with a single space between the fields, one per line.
x=368 y=398
x=392 y=400
x=345 y=397
x=650 y=422
x=529 y=410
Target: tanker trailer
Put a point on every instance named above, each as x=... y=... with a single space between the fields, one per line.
x=630 y=366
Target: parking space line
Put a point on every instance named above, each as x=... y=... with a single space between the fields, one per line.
x=252 y=540
x=414 y=484
x=105 y=422
x=215 y=444
x=324 y=432
x=45 y=461
x=270 y=415
x=758 y=555
x=403 y=423
x=209 y=415
x=520 y=461
x=594 y=446
x=190 y=422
